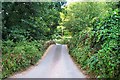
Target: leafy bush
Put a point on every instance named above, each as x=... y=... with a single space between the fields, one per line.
x=107 y=57
x=29 y=22
x=20 y=55
x=99 y=52
x=96 y=46
x=40 y=22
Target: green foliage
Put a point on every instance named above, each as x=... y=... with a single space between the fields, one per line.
x=107 y=36
x=29 y=20
x=20 y=55
x=25 y=26
x=78 y=15
x=95 y=42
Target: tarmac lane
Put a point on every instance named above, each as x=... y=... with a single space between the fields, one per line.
x=56 y=63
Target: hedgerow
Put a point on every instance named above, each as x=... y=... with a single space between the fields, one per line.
x=20 y=56
x=95 y=46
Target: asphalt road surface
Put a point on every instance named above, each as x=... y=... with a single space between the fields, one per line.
x=56 y=63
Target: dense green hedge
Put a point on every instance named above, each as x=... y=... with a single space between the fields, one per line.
x=23 y=24
x=98 y=49
x=20 y=55
x=95 y=38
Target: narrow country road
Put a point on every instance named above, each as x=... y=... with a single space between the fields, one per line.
x=56 y=63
